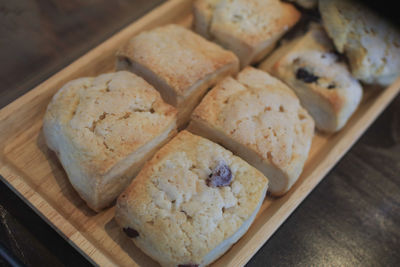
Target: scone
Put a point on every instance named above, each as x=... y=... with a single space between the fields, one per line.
x=179 y=63
x=203 y=12
x=371 y=44
x=103 y=129
x=323 y=83
x=191 y=202
x=308 y=4
x=259 y=119
x=249 y=28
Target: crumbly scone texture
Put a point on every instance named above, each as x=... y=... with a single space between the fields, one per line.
x=179 y=219
x=253 y=21
x=308 y=4
x=316 y=73
x=371 y=44
x=263 y=114
x=177 y=55
x=94 y=123
x=203 y=11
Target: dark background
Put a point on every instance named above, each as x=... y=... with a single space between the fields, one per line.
x=351 y=219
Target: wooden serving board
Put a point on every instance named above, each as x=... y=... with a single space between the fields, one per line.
x=32 y=171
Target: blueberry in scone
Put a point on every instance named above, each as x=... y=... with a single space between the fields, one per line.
x=260 y=119
x=319 y=76
x=191 y=202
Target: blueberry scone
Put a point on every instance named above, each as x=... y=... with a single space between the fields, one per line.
x=322 y=81
x=179 y=63
x=260 y=119
x=371 y=44
x=191 y=202
x=249 y=28
x=103 y=129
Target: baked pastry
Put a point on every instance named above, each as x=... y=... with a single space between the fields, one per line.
x=320 y=79
x=191 y=202
x=308 y=4
x=103 y=129
x=179 y=63
x=371 y=44
x=259 y=119
x=249 y=28
x=203 y=12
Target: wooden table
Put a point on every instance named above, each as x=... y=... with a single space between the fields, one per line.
x=351 y=218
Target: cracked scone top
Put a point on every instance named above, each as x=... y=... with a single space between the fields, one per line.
x=177 y=55
x=175 y=214
x=249 y=28
x=179 y=63
x=103 y=128
x=371 y=43
x=321 y=80
x=260 y=119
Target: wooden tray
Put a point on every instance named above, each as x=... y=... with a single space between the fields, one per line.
x=34 y=173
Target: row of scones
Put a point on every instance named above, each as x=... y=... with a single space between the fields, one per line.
x=190 y=138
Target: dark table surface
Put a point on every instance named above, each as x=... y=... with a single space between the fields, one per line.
x=352 y=218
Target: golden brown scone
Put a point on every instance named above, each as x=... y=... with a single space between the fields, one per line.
x=309 y=65
x=249 y=28
x=371 y=44
x=191 y=202
x=203 y=12
x=103 y=129
x=179 y=63
x=259 y=119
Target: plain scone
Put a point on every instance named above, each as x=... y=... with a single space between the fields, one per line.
x=179 y=63
x=191 y=202
x=325 y=86
x=249 y=28
x=103 y=129
x=203 y=12
x=259 y=119
x=371 y=44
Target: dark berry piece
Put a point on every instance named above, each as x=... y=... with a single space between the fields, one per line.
x=188 y=265
x=339 y=57
x=127 y=61
x=132 y=233
x=332 y=86
x=305 y=76
x=221 y=176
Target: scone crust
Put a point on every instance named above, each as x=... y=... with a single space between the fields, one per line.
x=178 y=217
x=253 y=21
x=94 y=123
x=371 y=43
x=203 y=11
x=335 y=91
x=263 y=114
x=177 y=55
